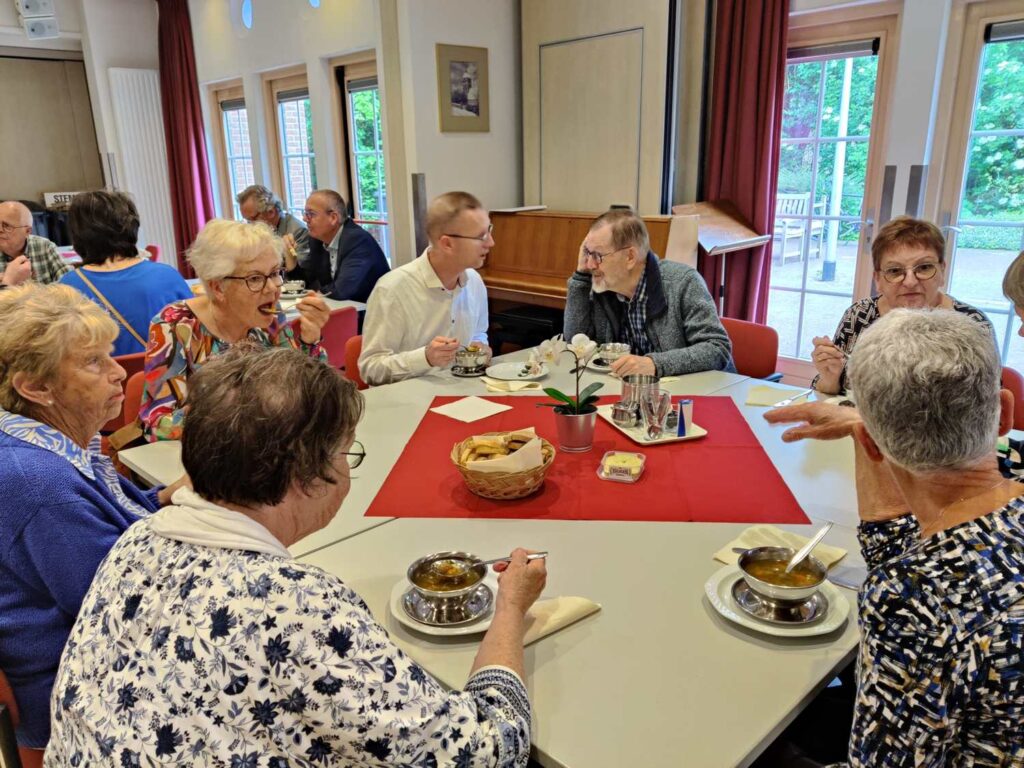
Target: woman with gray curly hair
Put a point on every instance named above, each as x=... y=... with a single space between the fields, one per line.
x=240 y=266
x=942 y=610
x=64 y=504
x=202 y=642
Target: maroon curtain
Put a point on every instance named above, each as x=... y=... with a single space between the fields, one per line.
x=743 y=146
x=191 y=195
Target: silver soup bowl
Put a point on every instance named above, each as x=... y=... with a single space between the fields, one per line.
x=775 y=591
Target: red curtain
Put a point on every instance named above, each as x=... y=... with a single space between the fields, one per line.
x=748 y=85
x=191 y=194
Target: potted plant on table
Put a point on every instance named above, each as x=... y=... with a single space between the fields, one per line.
x=575 y=417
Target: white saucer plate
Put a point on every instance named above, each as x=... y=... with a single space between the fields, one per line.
x=719 y=592
x=473 y=628
x=513 y=372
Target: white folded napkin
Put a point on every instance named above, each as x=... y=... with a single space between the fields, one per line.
x=547 y=616
x=497 y=385
x=770 y=536
x=470 y=409
x=765 y=395
x=527 y=457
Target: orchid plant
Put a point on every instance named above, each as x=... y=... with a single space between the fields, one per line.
x=582 y=349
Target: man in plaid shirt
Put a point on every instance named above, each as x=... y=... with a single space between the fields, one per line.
x=24 y=256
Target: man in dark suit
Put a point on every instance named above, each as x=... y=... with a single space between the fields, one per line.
x=344 y=260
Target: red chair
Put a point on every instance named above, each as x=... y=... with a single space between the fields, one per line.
x=353 y=347
x=755 y=348
x=30 y=758
x=133 y=396
x=132 y=364
x=341 y=326
x=1013 y=381
x=154 y=252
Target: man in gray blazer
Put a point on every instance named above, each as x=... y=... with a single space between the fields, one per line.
x=257 y=203
x=622 y=292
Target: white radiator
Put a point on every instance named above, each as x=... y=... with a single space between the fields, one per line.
x=138 y=117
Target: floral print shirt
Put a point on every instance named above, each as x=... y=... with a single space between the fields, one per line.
x=179 y=344
x=941 y=663
x=193 y=655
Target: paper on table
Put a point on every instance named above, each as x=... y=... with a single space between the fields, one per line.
x=770 y=536
x=527 y=457
x=470 y=409
x=497 y=385
x=547 y=616
x=764 y=395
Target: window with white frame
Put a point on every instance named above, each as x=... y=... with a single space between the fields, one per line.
x=237 y=148
x=295 y=136
x=367 y=152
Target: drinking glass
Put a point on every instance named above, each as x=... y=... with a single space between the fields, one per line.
x=655 y=405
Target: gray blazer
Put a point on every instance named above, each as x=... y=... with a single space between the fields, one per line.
x=682 y=322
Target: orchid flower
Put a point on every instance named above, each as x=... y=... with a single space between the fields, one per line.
x=582 y=349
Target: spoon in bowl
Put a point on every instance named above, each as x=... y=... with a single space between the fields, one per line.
x=805 y=550
x=457 y=569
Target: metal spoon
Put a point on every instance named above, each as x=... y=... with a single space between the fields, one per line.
x=464 y=567
x=805 y=550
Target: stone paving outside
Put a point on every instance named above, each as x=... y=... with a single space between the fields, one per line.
x=976 y=278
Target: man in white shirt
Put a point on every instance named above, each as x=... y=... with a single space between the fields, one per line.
x=421 y=313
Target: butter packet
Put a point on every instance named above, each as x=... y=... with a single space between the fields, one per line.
x=622 y=466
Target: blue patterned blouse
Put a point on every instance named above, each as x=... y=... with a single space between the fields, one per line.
x=941 y=664
x=193 y=655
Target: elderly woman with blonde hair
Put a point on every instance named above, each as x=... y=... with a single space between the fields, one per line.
x=64 y=504
x=240 y=266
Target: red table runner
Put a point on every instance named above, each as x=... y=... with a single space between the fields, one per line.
x=725 y=477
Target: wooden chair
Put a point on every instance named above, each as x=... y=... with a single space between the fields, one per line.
x=1014 y=381
x=786 y=229
x=755 y=348
x=132 y=364
x=353 y=347
x=10 y=753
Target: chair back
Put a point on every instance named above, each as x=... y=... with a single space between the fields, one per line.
x=341 y=326
x=787 y=204
x=1013 y=381
x=154 y=252
x=10 y=753
x=133 y=396
x=353 y=348
x=755 y=347
x=132 y=364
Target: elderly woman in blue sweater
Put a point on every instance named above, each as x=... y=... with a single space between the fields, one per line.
x=64 y=504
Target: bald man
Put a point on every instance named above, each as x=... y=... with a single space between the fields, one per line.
x=344 y=260
x=24 y=256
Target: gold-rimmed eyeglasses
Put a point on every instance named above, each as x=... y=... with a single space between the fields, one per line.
x=8 y=228
x=481 y=238
x=922 y=272
x=256 y=283
x=600 y=257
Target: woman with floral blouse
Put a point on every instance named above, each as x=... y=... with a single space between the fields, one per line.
x=240 y=267
x=941 y=666
x=202 y=642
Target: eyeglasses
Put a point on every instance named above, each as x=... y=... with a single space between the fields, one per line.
x=309 y=213
x=482 y=238
x=355 y=458
x=924 y=271
x=256 y=283
x=600 y=257
x=8 y=228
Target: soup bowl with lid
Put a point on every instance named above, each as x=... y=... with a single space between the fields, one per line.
x=763 y=569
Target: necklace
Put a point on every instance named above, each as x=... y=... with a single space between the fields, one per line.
x=935 y=525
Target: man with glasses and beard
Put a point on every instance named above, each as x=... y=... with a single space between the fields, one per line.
x=421 y=313
x=24 y=256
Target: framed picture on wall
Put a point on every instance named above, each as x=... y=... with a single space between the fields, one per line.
x=462 y=99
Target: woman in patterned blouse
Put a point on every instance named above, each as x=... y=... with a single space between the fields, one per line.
x=941 y=662
x=202 y=642
x=240 y=266
x=910 y=270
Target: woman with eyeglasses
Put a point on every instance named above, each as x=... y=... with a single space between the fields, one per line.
x=910 y=270
x=203 y=642
x=240 y=266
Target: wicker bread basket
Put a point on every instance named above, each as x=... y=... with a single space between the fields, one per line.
x=504 y=485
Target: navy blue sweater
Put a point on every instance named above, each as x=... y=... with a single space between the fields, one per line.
x=59 y=516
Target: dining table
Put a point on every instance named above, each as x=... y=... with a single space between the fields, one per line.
x=657 y=677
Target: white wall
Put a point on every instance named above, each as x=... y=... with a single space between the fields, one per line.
x=68 y=20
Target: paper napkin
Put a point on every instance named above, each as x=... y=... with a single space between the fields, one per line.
x=547 y=616
x=527 y=457
x=764 y=395
x=770 y=536
x=497 y=385
x=471 y=409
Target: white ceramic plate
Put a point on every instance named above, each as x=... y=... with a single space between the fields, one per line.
x=395 y=604
x=719 y=592
x=639 y=434
x=513 y=372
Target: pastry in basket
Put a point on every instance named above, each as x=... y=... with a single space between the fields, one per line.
x=503 y=465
